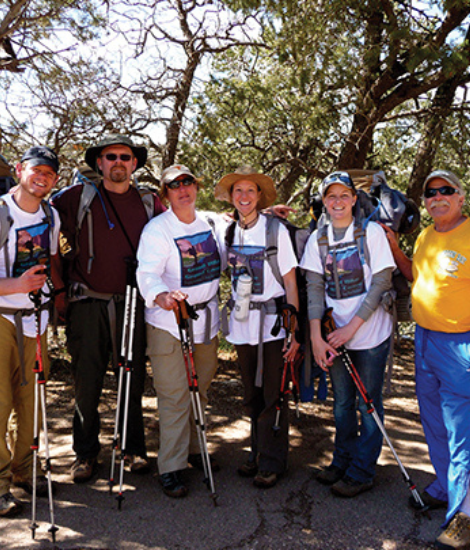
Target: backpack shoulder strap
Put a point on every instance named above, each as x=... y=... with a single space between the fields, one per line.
x=360 y=236
x=86 y=198
x=148 y=201
x=322 y=241
x=6 y=221
x=272 y=233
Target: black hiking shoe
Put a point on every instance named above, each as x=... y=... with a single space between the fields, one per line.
x=330 y=475
x=42 y=489
x=173 y=485
x=430 y=502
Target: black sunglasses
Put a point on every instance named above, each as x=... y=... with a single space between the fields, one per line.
x=175 y=184
x=445 y=190
x=112 y=157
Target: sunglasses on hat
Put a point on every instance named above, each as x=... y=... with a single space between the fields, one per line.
x=445 y=190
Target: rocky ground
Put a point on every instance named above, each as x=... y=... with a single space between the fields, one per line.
x=297 y=513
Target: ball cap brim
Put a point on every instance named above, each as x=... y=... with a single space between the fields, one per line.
x=41 y=156
x=445 y=175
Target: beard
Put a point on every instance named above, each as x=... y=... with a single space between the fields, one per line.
x=118 y=174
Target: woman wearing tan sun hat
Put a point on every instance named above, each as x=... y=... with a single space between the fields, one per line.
x=260 y=354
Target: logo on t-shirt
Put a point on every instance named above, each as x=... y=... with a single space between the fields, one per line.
x=200 y=258
x=449 y=262
x=32 y=248
x=249 y=259
x=344 y=262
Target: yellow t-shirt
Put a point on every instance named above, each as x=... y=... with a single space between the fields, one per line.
x=441 y=279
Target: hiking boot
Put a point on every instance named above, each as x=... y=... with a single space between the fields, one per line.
x=196 y=462
x=430 y=502
x=42 y=489
x=248 y=469
x=83 y=469
x=457 y=534
x=330 y=475
x=137 y=464
x=173 y=485
x=265 y=479
x=10 y=506
x=349 y=487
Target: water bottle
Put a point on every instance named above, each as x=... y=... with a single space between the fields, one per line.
x=242 y=303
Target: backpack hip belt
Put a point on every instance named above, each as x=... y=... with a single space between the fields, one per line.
x=78 y=292
x=208 y=324
x=269 y=307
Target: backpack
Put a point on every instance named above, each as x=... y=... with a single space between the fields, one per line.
x=7 y=181
x=91 y=181
x=376 y=201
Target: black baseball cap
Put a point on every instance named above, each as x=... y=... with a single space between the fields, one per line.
x=41 y=156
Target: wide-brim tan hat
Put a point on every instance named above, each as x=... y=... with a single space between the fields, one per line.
x=223 y=190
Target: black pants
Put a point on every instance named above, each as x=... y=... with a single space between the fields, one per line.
x=90 y=345
x=260 y=404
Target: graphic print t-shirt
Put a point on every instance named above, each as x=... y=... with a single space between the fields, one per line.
x=379 y=325
x=173 y=255
x=29 y=244
x=344 y=261
x=251 y=243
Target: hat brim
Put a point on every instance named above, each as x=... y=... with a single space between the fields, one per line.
x=222 y=191
x=92 y=154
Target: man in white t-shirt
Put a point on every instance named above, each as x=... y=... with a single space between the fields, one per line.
x=25 y=263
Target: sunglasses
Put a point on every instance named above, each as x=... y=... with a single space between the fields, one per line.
x=112 y=157
x=338 y=176
x=445 y=190
x=175 y=184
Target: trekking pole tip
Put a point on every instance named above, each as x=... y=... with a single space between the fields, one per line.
x=53 y=530
x=120 y=498
x=214 y=497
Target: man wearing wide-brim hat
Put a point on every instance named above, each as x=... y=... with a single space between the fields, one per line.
x=101 y=257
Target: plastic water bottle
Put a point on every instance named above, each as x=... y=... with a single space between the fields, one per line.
x=242 y=303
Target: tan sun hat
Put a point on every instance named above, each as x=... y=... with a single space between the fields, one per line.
x=223 y=190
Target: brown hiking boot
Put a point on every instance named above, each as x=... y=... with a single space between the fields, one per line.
x=349 y=487
x=330 y=475
x=265 y=479
x=137 y=464
x=457 y=534
x=9 y=506
x=83 y=469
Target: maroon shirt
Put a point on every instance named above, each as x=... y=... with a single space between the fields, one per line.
x=110 y=246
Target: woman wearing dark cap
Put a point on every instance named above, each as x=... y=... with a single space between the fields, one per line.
x=261 y=354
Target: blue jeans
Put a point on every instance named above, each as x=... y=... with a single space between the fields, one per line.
x=443 y=389
x=358 y=446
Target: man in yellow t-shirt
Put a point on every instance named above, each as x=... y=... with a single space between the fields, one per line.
x=440 y=272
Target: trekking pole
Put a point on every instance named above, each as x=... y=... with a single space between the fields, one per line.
x=39 y=387
x=122 y=361
x=328 y=326
x=129 y=369
x=183 y=312
x=288 y=322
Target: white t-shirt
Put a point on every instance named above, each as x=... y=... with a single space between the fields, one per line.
x=173 y=255
x=354 y=281
x=252 y=243
x=28 y=244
